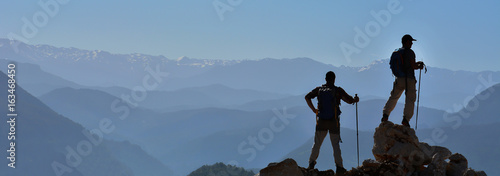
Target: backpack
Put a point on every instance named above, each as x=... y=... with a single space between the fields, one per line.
x=397 y=63
x=328 y=104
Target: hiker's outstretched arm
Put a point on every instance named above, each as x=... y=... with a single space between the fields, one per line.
x=347 y=98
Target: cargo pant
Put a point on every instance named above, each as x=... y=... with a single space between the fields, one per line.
x=400 y=85
x=320 y=135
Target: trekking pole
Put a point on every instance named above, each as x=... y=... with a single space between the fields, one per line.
x=418 y=99
x=357 y=134
x=418 y=96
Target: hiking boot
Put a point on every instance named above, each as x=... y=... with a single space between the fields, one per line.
x=311 y=165
x=405 y=122
x=385 y=117
x=340 y=170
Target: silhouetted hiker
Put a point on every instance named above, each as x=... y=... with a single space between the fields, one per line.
x=327 y=118
x=403 y=66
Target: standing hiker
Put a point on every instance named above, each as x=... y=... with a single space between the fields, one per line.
x=403 y=66
x=327 y=118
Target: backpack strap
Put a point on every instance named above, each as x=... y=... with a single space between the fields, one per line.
x=400 y=51
x=335 y=106
x=404 y=70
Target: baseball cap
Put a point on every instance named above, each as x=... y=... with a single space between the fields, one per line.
x=407 y=37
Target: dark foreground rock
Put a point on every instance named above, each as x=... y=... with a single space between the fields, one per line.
x=289 y=167
x=399 y=145
x=397 y=152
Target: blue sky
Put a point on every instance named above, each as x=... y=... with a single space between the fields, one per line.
x=458 y=35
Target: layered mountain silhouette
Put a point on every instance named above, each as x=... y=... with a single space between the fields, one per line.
x=208 y=111
x=45 y=139
x=242 y=125
x=217 y=95
x=481 y=109
x=35 y=80
x=175 y=137
x=284 y=76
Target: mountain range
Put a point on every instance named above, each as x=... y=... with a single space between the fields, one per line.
x=440 y=88
x=179 y=134
x=170 y=135
x=209 y=111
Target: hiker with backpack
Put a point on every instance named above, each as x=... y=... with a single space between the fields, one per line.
x=327 y=117
x=403 y=67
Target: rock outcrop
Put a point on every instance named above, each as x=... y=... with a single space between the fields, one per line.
x=398 y=144
x=287 y=167
x=397 y=152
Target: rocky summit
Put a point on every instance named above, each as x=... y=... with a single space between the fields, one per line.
x=397 y=152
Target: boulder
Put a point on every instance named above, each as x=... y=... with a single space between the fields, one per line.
x=436 y=168
x=372 y=167
x=371 y=163
x=316 y=172
x=457 y=166
x=287 y=167
x=438 y=165
x=399 y=143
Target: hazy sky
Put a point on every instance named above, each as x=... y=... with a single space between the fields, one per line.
x=459 y=35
